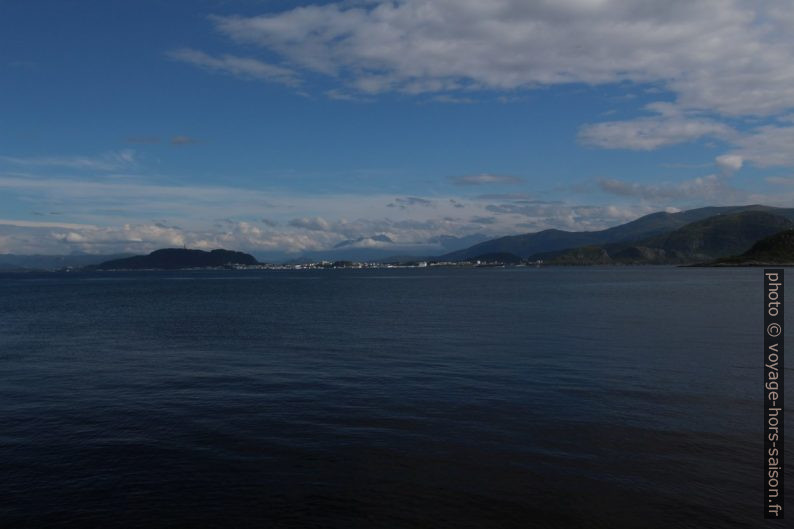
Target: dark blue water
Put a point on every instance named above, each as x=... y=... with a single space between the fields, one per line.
x=551 y=397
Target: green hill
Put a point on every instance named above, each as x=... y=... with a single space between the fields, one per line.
x=704 y=240
x=642 y=229
x=777 y=249
x=720 y=235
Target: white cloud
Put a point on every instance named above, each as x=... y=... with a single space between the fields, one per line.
x=768 y=146
x=729 y=163
x=237 y=66
x=707 y=190
x=311 y=223
x=103 y=216
x=485 y=179
x=764 y=146
x=715 y=58
x=702 y=187
x=65 y=238
x=537 y=216
x=670 y=126
x=123 y=221
x=724 y=56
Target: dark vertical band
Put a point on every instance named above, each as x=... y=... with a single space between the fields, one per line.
x=773 y=394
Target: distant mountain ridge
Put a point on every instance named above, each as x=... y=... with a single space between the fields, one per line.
x=726 y=234
x=652 y=225
x=686 y=237
x=382 y=238
x=703 y=240
x=382 y=248
x=177 y=258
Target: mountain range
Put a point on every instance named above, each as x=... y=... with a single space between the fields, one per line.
x=644 y=228
x=381 y=247
x=711 y=238
x=697 y=235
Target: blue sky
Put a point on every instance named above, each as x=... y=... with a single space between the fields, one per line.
x=286 y=127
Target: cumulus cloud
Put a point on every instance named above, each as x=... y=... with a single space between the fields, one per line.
x=724 y=56
x=66 y=238
x=145 y=237
x=538 y=215
x=238 y=66
x=484 y=179
x=311 y=223
x=706 y=190
x=767 y=146
x=711 y=58
x=729 y=163
x=710 y=188
x=763 y=146
x=132 y=213
x=306 y=234
x=115 y=229
x=668 y=127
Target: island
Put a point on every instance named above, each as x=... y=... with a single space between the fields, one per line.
x=180 y=258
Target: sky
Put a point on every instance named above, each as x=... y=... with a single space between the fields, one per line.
x=281 y=127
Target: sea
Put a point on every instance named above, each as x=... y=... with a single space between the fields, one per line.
x=570 y=397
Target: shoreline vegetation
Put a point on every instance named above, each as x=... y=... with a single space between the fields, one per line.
x=775 y=250
x=731 y=236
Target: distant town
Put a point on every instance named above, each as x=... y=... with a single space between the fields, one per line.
x=324 y=265
x=337 y=265
x=191 y=259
